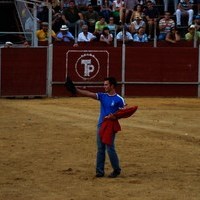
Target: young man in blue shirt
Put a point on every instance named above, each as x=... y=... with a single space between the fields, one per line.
x=110 y=102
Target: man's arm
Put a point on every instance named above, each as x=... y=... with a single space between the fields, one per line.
x=86 y=93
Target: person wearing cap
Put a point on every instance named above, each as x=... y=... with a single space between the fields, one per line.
x=64 y=34
x=189 y=36
x=165 y=24
x=136 y=24
x=8 y=44
x=43 y=33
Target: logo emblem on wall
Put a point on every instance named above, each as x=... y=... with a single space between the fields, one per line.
x=87 y=64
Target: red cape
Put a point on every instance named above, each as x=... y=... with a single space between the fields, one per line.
x=110 y=126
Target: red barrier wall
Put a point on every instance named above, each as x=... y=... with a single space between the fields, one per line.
x=145 y=64
x=23 y=71
x=162 y=71
x=162 y=65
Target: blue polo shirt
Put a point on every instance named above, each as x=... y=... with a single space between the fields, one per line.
x=109 y=104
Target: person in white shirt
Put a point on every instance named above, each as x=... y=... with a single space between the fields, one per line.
x=85 y=36
x=106 y=36
x=127 y=36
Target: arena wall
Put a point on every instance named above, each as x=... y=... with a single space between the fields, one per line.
x=148 y=71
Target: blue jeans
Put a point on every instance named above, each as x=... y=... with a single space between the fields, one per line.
x=101 y=155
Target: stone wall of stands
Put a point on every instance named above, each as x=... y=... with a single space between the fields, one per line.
x=167 y=71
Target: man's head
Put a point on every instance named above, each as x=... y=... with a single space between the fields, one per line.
x=167 y=15
x=110 y=84
x=8 y=44
x=149 y=4
x=45 y=26
x=90 y=8
x=141 y=30
x=64 y=28
x=85 y=28
x=71 y=4
x=191 y=28
x=102 y=20
x=197 y=19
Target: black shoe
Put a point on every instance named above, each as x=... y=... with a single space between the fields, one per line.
x=99 y=175
x=114 y=174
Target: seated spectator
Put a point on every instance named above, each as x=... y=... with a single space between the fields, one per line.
x=165 y=24
x=8 y=44
x=173 y=36
x=72 y=17
x=151 y=15
x=26 y=44
x=57 y=22
x=116 y=6
x=141 y=36
x=136 y=24
x=189 y=36
x=85 y=36
x=91 y=17
x=99 y=25
x=197 y=22
x=184 y=8
x=112 y=26
x=106 y=36
x=43 y=33
x=64 y=34
x=105 y=11
x=137 y=13
x=56 y=7
x=124 y=35
x=126 y=10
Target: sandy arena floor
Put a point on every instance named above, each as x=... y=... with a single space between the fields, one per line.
x=48 y=150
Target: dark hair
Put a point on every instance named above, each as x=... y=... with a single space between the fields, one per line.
x=111 y=80
x=135 y=8
x=104 y=29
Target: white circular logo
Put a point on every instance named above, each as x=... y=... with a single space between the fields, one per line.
x=87 y=66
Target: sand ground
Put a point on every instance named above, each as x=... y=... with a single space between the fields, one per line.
x=48 y=150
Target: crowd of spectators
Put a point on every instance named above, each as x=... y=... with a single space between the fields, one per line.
x=125 y=20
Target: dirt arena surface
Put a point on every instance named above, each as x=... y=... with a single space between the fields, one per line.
x=48 y=150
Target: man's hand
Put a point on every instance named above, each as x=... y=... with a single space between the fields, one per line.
x=111 y=116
